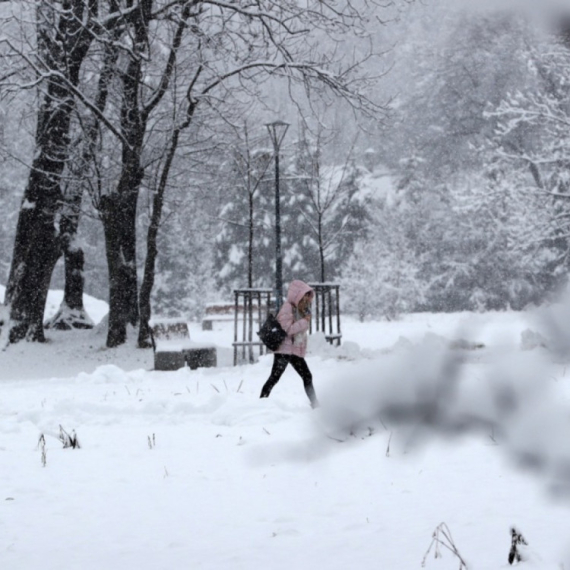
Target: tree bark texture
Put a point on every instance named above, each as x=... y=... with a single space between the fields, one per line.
x=118 y=213
x=71 y=313
x=36 y=251
x=118 y=209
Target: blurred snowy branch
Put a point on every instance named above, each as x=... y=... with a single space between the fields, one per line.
x=433 y=391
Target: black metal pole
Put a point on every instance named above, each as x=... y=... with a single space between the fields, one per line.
x=277 y=132
x=278 y=257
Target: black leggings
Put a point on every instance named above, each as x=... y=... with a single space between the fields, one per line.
x=280 y=362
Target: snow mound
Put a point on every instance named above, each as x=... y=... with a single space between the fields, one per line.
x=96 y=308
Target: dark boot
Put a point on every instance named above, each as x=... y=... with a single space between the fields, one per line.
x=265 y=391
x=312 y=396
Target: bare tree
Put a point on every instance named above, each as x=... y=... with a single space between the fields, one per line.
x=328 y=199
x=119 y=208
x=251 y=166
x=62 y=41
x=154 y=225
x=80 y=177
x=217 y=53
x=237 y=47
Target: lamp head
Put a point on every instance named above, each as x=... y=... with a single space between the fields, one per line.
x=277 y=130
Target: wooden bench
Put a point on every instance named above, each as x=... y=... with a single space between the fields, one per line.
x=223 y=312
x=217 y=312
x=173 y=348
x=333 y=338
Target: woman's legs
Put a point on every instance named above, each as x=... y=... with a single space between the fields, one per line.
x=302 y=369
x=280 y=362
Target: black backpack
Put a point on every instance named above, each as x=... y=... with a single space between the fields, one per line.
x=271 y=333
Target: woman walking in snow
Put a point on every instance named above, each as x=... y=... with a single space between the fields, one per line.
x=294 y=316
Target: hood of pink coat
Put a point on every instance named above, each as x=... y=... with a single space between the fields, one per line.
x=297 y=289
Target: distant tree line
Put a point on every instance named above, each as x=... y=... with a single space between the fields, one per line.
x=479 y=216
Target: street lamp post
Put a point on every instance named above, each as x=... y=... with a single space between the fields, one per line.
x=277 y=131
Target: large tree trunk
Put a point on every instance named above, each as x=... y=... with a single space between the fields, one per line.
x=63 y=44
x=118 y=209
x=71 y=313
x=118 y=213
x=134 y=118
x=37 y=244
x=36 y=251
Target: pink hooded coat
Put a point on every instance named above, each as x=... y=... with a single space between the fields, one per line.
x=293 y=324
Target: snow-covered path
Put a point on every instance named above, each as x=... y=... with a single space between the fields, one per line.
x=173 y=474
x=189 y=469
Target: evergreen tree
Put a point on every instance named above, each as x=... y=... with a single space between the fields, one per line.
x=184 y=276
x=330 y=210
x=323 y=213
x=381 y=278
x=531 y=150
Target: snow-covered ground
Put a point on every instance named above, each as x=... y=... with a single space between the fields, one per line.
x=189 y=469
